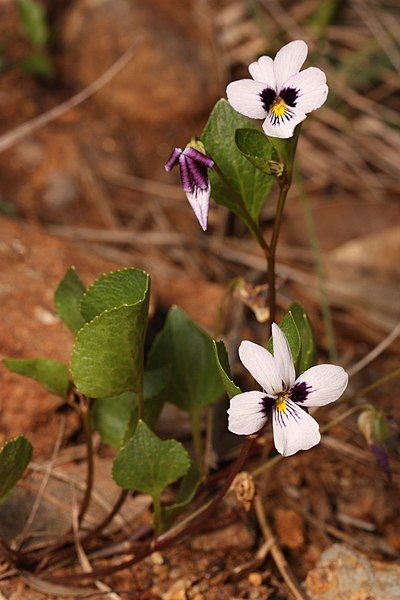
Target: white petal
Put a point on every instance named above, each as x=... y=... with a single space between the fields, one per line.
x=283 y=356
x=244 y=96
x=200 y=201
x=263 y=70
x=261 y=364
x=325 y=384
x=283 y=128
x=246 y=413
x=311 y=87
x=294 y=429
x=288 y=61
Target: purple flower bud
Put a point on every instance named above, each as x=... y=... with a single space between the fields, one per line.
x=186 y=177
x=198 y=157
x=198 y=173
x=173 y=159
x=382 y=459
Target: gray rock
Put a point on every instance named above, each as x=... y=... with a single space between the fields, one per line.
x=343 y=573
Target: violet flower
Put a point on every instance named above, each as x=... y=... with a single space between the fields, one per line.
x=193 y=166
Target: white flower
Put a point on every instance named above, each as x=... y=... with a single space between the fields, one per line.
x=279 y=92
x=284 y=397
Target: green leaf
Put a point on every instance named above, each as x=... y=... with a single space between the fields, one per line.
x=39 y=64
x=107 y=358
x=222 y=360
x=250 y=183
x=51 y=374
x=33 y=21
x=116 y=418
x=67 y=298
x=15 y=455
x=286 y=149
x=308 y=355
x=187 y=491
x=256 y=147
x=112 y=290
x=188 y=350
x=289 y=328
x=148 y=464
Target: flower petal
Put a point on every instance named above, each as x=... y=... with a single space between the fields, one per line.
x=324 y=384
x=311 y=89
x=283 y=356
x=246 y=413
x=203 y=159
x=294 y=429
x=184 y=172
x=261 y=364
x=263 y=70
x=283 y=127
x=244 y=96
x=200 y=201
x=288 y=61
x=198 y=173
x=173 y=159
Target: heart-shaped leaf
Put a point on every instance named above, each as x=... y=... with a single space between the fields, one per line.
x=51 y=374
x=116 y=418
x=108 y=354
x=222 y=360
x=248 y=182
x=15 y=456
x=256 y=147
x=67 y=299
x=188 y=351
x=148 y=464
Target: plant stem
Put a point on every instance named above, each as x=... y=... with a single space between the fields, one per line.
x=176 y=534
x=252 y=226
x=85 y=414
x=319 y=268
x=197 y=439
x=157 y=513
x=283 y=191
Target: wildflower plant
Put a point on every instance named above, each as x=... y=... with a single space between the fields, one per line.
x=119 y=390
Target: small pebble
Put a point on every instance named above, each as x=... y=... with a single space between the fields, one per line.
x=255 y=579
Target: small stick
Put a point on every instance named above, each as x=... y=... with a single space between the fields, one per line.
x=276 y=552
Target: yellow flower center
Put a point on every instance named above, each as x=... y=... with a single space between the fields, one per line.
x=278 y=107
x=281 y=401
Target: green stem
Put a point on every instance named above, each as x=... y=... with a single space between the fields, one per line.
x=195 y=421
x=283 y=191
x=252 y=226
x=157 y=514
x=319 y=267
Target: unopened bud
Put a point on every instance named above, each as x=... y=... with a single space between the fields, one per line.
x=244 y=487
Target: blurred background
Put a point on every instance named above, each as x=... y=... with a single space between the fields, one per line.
x=119 y=83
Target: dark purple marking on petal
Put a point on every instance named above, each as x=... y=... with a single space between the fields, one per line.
x=173 y=159
x=199 y=157
x=289 y=96
x=268 y=402
x=299 y=392
x=198 y=173
x=186 y=178
x=267 y=98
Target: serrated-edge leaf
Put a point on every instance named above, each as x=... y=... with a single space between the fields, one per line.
x=94 y=389
x=57 y=382
x=15 y=456
x=108 y=276
x=67 y=298
x=153 y=468
x=222 y=360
